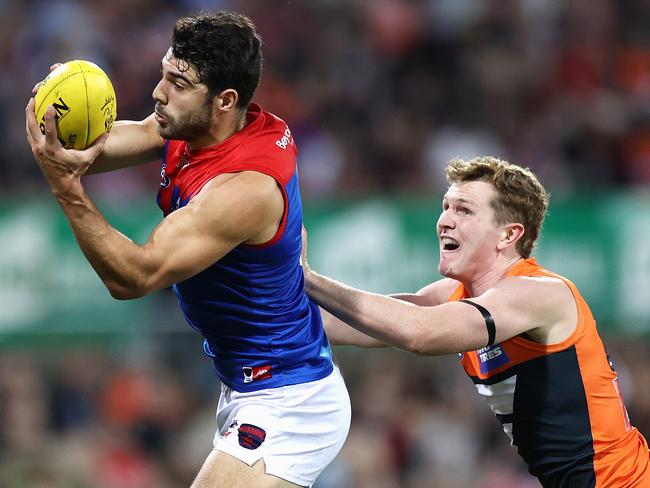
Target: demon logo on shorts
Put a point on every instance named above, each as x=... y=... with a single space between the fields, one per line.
x=250 y=436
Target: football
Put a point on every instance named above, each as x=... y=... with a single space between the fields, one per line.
x=84 y=100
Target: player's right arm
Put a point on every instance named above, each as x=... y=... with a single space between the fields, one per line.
x=341 y=334
x=129 y=143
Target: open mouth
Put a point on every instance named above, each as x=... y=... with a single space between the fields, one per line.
x=448 y=244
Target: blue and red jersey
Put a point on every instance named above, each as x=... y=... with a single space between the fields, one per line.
x=261 y=329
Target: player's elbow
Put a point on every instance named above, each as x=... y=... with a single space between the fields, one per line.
x=134 y=284
x=125 y=293
x=416 y=344
x=122 y=291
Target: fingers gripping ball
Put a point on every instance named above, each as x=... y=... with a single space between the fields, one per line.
x=84 y=102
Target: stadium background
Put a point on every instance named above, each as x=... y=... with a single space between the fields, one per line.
x=379 y=95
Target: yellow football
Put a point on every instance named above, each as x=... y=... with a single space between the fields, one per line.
x=84 y=100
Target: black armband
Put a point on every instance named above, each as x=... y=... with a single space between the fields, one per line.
x=489 y=321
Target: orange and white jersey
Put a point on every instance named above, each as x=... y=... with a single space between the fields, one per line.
x=561 y=404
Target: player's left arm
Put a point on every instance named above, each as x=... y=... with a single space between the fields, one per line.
x=231 y=209
x=539 y=306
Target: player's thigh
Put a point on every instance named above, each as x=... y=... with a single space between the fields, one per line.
x=221 y=470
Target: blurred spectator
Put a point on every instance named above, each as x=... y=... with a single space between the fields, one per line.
x=416 y=423
x=381 y=94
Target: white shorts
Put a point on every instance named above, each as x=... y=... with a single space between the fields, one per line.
x=298 y=429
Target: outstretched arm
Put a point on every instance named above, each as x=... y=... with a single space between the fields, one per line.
x=542 y=307
x=341 y=334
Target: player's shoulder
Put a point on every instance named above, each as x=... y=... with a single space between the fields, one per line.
x=240 y=205
x=241 y=185
x=545 y=303
x=550 y=295
x=550 y=284
x=242 y=193
x=439 y=291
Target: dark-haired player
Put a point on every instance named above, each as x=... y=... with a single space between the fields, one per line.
x=229 y=244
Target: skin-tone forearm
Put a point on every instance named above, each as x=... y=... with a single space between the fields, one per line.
x=355 y=317
x=341 y=334
x=425 y=330
x=109 y=252
x=361 y=309
x=543 y=308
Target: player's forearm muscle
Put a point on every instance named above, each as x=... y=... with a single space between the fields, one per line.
x=361 y=310
x=417 y=329
x=112 y=255
x=229 y=210
x=341 y=334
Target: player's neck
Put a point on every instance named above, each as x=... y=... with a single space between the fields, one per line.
x=486 y=280
x=223 y=128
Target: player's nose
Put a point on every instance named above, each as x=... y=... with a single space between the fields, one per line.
x=158 y=93
x=445 y=221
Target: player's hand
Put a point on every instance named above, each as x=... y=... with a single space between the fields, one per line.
x=303 y=254
x=38 y=85
x=60 y=166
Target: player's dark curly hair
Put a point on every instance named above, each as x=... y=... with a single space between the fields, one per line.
x=224 y=49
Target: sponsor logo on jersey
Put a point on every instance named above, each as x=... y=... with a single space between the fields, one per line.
x=285 y=140
x=491 y=358
x=256 y=373
x=251 y=436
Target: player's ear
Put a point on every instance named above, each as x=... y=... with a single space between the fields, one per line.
x=226 y=101
x=510 y=234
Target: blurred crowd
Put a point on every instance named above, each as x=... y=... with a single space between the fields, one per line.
x=381 y=94
x=141 y=415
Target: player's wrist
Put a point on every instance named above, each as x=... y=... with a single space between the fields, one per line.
x=68 y=189
x=312 y=281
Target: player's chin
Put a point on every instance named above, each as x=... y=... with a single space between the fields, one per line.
x=444 y=268
x=446 y=264
x=164 y=131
